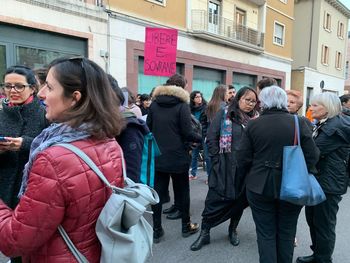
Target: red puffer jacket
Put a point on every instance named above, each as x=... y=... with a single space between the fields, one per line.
x=61 y=190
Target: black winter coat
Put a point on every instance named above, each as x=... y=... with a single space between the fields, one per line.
x=333 y=140
x=261 y=151
x=224 y=177
x=26 y=121
x=169 y=119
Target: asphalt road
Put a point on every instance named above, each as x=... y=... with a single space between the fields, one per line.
x=175 y=248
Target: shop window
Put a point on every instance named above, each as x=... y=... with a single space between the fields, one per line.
x=146 y=83
x=37 y=58
x=241 y=80
x=2 y=61
x=278 y=36
x=206 y=80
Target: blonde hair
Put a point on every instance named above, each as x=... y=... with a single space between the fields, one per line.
x=297 y=95
x=330 y=101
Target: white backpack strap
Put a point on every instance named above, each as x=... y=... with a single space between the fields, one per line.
x=78 y=256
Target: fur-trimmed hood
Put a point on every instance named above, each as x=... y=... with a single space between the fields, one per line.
x=174 y=91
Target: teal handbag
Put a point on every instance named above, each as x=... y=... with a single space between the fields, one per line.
x=298 y=186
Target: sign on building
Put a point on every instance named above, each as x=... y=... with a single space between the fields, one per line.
x=160 y=51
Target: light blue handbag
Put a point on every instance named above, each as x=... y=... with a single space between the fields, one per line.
x=298 y=186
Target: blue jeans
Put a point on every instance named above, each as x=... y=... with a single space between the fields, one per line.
x=194 y=162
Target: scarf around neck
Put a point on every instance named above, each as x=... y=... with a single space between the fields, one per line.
x=55 y=133
x=225 y=140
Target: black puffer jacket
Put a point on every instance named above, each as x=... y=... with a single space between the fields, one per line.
x=333 y=140
x=169 y=119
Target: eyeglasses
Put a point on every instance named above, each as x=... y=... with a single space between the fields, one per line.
x=250 y=102
x=197 y=97
x=19 y=87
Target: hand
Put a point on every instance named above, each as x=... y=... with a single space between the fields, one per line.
x=12 y=144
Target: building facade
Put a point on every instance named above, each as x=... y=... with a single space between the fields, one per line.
x=319 y=47
x=347 y=69
x=234 y=42
x=33 y=33
x=218 y=41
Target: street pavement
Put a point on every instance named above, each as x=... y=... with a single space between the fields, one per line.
x=174 y=248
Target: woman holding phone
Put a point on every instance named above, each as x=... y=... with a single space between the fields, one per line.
x=21 y=120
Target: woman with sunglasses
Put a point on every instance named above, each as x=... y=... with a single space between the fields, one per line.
x=21 y=120
x=57 y=188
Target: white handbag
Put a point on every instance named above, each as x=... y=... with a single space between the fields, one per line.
x=124 y=233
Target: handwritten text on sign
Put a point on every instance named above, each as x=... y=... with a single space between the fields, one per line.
x=160 y=51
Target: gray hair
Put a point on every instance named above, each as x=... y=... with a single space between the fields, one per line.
x=330 y=101
x=273 y=97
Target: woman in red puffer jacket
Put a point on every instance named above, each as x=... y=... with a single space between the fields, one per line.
x=58 y=188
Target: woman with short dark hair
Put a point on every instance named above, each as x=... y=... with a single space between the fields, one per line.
x=57 y=187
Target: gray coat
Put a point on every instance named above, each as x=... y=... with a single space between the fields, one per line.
x=25 y=121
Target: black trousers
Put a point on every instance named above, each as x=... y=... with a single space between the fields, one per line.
x=181 y=187
x=322 y=220
x=276 y=223
x=218 y=209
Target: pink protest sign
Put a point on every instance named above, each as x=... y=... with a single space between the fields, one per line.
x=160 y=51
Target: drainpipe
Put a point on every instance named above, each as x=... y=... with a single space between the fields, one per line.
x=311 y=30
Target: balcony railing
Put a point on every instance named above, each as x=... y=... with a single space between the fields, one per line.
x=214 y=25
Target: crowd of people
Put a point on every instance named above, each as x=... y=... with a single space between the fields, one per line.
x=73 y=100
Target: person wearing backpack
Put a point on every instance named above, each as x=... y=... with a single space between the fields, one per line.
x=138 y=144
x=58 y=188
x=169 y=119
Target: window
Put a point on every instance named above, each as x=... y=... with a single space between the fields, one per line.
x=340 y=31
x=2 y=60
x=327 y=22
x=338 y=60
x=284 y=1
x=240 y=17
x=325 y=55
x=278 y=36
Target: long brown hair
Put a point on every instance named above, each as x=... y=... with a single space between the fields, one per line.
x=216 y=100
x=98 y=105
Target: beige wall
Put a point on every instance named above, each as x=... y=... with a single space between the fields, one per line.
x=331 y=40
x=347 y=81
x=301 y=50
x=285 y=50
x=173 y=14
x=297 y=81
x=228 y=10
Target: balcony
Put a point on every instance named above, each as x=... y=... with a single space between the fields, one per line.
x=218 y=29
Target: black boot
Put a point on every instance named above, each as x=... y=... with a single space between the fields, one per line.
x=170 y=210
x=306 y=259
x=158 y=233
x=189 y=229
x=232 y=233
x=203 y=239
